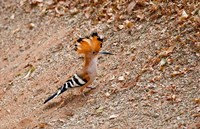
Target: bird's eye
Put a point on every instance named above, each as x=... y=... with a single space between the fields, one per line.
x=94 y=52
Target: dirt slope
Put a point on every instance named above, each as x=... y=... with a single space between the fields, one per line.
x=151 y=81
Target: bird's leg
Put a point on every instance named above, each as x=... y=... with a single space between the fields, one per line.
x=81 y=92
x=82 y=89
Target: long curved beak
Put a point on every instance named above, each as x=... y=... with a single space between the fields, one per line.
x=106 y=53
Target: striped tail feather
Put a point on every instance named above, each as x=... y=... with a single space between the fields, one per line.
x=60 y=91
x=75 y=81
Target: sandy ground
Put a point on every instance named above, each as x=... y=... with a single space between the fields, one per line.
x=151 y=81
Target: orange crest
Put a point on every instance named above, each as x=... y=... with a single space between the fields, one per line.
x=89 y=44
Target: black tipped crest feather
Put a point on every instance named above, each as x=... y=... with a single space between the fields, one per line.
x=79 y=40
x=100 y=39
x=94 y=34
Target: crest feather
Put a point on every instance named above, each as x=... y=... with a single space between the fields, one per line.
x=89 y=45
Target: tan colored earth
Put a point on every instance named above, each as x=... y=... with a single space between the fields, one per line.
x=151 y=82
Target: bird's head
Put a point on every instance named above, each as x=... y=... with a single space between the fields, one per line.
x=90 y=46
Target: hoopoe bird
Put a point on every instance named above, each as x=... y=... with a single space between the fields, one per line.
x=89 y=47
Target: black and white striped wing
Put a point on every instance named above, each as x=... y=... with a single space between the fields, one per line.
x=75 y=81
